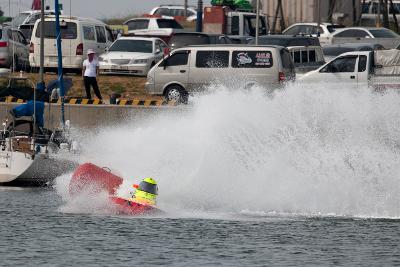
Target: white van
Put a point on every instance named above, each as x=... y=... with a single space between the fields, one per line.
x=191 y=68
x=78 y=35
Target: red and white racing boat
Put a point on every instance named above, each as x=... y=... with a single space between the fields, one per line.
x=93 y=179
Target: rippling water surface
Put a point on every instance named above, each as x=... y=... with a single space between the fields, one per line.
x=34 y=232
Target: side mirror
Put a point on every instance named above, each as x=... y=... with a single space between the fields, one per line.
x=106 y=49
x=158 y=50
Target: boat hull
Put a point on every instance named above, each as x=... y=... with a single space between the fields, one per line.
x=21 y=169
x=128 y=207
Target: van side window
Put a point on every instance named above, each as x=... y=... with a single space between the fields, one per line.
x=138 y=24
x=296 y=57
x=235 y=25
x=312 y=56
x=212 y=59
x=110 y=36
x=177 y=59
x=252 y=59
x=362 y=63
x=88 y=33
x=101 y=34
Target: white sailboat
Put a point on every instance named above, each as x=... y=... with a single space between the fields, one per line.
x=28 y=153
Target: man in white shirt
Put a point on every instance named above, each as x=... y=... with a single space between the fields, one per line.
x=90 y=71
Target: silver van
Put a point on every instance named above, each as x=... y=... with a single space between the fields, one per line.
x=191 y=68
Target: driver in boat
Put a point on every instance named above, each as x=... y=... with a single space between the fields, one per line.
x=146 y=192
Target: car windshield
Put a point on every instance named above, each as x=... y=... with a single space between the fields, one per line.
x=18 y=20
x=333 y=28
x=139 y=46
x=68 y=30
x=181 y=40
x=384 y=33
x=168 y=23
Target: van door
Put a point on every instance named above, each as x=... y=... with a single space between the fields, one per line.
x=101 y=39
x=341 y=70
x=174 y=69
x=209 y=66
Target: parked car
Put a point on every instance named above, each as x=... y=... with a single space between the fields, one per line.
x=382 y=36
x=155 y=27
x=77 y=34
x=286 y=40
x=306 y=58
x=332 y=51
x=377 y=69
x=172 y=11
x=132 y=55
x=322 y=31
x=370 y=11
x=191 y=68
x=14 y=49
x=182 y=39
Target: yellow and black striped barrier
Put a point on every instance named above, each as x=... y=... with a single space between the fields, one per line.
x=145 y=102
x=78 y=101
x=82 y=101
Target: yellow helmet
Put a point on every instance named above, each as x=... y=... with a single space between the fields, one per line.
x=149 y=185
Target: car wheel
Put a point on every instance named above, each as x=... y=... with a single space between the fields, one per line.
x=177 y=94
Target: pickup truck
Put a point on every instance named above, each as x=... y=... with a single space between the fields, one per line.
x=378 y=69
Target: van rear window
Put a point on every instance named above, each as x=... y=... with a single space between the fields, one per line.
x=68 y=30
x=252 y=59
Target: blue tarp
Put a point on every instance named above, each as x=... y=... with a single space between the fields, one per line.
x=27 y=109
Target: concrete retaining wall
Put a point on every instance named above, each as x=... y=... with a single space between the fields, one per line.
x=91 y=116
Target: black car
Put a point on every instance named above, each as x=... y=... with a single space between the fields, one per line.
x=332 y=51
x=287 y=40
x=196 y=38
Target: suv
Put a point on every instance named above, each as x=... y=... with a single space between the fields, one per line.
x=171 y=11
x=179 y=40
x=287 y=40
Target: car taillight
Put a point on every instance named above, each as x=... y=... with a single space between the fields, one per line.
x=31 y=48
x=79 y=50
x=281 y=76
x=3 y=44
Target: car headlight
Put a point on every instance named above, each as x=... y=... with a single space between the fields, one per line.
x=139 y=61
x=102 y=60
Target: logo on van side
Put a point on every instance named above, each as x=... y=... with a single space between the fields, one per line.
x=243 y=59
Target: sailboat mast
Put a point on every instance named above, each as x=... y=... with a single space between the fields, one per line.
x=60 y=66
x=42 y=42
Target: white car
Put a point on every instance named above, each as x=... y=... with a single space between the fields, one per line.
x=159 y=27
x=324 y=31
x=385 y=37
x=132 y=55
x=171 y=11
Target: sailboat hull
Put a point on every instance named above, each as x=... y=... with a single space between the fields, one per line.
x=23 y=170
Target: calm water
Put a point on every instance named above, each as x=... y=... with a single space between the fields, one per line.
x=35 y=232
